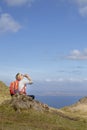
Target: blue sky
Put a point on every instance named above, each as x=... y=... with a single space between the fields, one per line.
x=44 y=38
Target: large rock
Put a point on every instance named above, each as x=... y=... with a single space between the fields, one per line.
x=23 y=102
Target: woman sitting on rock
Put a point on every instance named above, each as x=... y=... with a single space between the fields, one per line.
x=23 y=81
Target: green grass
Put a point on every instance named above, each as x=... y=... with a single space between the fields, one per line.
x=33 y=120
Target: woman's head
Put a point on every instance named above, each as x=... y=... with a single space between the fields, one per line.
x=19 y=76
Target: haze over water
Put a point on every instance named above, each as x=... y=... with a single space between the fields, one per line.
x=58 y=94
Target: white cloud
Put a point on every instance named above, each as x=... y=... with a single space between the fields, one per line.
x=81 y=2
x=7 y=23
x=54 y=80
x=83 y=11
x=75 y=52
x=77 y=55
x=18 y=2
x=82 y=6
x=66 y=80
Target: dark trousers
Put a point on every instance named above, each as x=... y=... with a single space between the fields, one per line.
x=33 y=97
x=11 y=94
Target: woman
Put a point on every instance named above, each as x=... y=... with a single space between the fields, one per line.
x=23 y=81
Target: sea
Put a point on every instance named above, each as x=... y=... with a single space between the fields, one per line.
x=58 y=101
x=58 y=95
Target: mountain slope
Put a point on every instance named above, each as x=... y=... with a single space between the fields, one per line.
x=4 y=92
x=22 y=113
x=79 y=109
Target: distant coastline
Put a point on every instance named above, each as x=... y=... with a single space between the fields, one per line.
x=59 y=101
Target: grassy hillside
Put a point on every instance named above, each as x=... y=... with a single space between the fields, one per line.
x=4 y=92
x=68 y=118
x=33 y=120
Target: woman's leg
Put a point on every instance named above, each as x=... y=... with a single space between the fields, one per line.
x=33 y=97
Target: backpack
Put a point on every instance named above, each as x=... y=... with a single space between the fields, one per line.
x=14 y=87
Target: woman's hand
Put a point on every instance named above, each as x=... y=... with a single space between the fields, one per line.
x=28 y=77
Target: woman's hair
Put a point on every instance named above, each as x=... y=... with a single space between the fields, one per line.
x=17 y=75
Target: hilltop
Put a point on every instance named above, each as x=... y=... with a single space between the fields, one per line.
x=23 y=113
x=79 y=109
x=4 y=92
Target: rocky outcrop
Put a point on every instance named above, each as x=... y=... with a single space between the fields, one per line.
x=83 y=100
x=23 y=102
